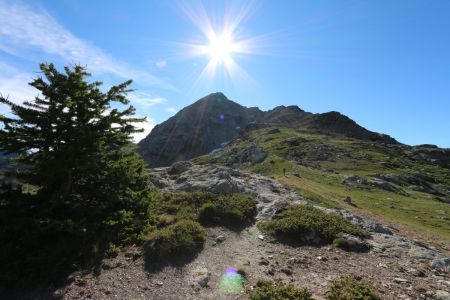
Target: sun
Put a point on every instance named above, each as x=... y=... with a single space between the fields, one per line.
x=221 y=48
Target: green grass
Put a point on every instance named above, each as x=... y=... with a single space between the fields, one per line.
x=297 y=223
x=420 y=212
x=267 y=290
x=348 y=288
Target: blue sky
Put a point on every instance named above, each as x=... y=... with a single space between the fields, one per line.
x=385 y=64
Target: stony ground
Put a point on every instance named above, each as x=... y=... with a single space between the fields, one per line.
x=399 y=268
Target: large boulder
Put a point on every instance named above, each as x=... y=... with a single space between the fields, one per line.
x=244 y=157
x=352 y=243
x=441 y=264
x=179 y=167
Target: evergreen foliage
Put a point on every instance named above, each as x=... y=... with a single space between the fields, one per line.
x=90 y=187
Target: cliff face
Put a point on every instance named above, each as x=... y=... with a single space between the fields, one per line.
x=213 y=120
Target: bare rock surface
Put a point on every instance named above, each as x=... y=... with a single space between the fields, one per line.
x=398 y=267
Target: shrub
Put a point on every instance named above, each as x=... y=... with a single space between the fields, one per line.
x=183 y=237
x=348 y=288
x=303 y=223
x=228 y=210
x=207 y=208
x=266 y=290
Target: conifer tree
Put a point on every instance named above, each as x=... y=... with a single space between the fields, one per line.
x=74 y=143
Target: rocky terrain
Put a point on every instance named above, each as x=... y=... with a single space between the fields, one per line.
x=214 y=120
x=398 y=267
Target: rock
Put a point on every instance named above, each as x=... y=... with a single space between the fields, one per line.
x=351 y=180
x=401 y=280
x=261 y=237
x=220 y=239
x=225 y=187
x=384 y=185
x=202 y=277
x=159 y=182
x=351 y=243
x=322 y=258
x=58 y=293
x=378 y=228
x=442 y=295
x=441 y=264
x=411 y=271
x=179 y=167
x=354 y=181
x=159 y=283
x=247 y=156
x=422 y=253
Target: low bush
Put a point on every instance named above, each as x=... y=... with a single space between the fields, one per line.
x=348 y=288
x=305 y=223
x=233 y=210
x=182 y=238
x=228 y=210
x=267 y=290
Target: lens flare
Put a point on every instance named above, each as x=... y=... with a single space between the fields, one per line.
x=232 y=281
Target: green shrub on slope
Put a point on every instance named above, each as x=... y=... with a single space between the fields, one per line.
x=348 y=288
x=305 y=223
x=182 y=238
x=266 y=290
x=229 y=210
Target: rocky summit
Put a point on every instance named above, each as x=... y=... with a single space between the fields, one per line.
x=215 y=120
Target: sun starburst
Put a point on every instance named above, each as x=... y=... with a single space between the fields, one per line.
x=224 y=42
x=221 y=48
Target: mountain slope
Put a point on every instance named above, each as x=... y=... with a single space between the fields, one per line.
x=196 y=129
x=405 y=185
x=213 y=120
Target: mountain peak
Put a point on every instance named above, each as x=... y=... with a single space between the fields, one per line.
x=214 y=119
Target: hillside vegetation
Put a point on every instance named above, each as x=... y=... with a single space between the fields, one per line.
x=392 y=181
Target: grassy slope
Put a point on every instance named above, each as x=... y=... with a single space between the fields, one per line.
x=420 y=211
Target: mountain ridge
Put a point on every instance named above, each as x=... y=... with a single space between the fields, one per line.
x=214 y=119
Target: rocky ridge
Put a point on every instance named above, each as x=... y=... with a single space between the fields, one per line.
x=213 y=120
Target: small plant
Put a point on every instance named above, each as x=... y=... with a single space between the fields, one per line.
x=267 y=290
x=181 y=238
x=348 y=288
x=305 y=223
